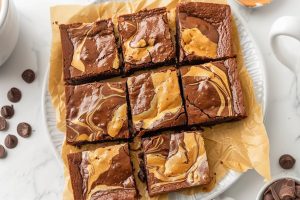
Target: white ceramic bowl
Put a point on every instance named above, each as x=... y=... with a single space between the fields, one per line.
x=263 y=189
x=9 y=29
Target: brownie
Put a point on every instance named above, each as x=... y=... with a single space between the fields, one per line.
x=203 y=32
x=96 y=112
x=146 y=39
x=104 y=173
x=155 y=100
x=89 y=51
x=175 y=161
x=212 y=92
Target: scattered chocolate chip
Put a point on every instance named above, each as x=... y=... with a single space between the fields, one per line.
x=7 y=112
x=2 y=152
x=3 y=124
x=268 y=196
x=11 y=141
x=287 y=161
x=24 y=129
x=14 y=95
x=28 y=76
x=298 y=191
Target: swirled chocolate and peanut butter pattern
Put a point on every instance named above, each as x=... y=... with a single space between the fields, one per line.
x=89 y=50
x=96 y=111
x=155 y=100
x=101 y=174
x=203 y=31
x=146 y=39
x=175 y=161
x=207 y=92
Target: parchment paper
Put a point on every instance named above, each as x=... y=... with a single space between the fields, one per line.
x=237 y=146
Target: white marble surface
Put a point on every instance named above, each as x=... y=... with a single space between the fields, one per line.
x=31 y=171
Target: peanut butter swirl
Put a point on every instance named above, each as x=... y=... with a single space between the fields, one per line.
x=155 y=100
x=204 y=32
x=106 y=170
x=175 y=160
x=96 y=111
x=94 y=47
x=146 y=38
x=207 y=92
x=218 y=79
x=194 y=42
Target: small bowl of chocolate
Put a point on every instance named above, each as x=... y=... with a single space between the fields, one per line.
x=281 y=188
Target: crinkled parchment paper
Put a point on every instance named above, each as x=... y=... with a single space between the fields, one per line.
x=237 y=146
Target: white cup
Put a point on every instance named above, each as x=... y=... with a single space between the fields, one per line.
x=9 y=29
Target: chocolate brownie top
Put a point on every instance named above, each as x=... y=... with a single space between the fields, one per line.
x=96 y=111
x=146 y=38
x=204 y=31
x=155 y=100
x=104 y=173
x=89 y=49
x=212 y=90
x=175 y=161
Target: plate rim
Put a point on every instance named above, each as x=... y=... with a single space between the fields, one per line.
x=236 y=175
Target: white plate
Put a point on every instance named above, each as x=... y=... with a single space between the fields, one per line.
x=256 y=68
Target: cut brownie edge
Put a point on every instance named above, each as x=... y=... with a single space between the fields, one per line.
x=93 y=78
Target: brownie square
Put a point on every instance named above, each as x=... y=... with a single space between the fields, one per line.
x=89 y=51
x=212 y=92
x=104 y=173
x=203 y=32
x=96 y=112
x=175 y=161
x=146 y=39
x=155 y=101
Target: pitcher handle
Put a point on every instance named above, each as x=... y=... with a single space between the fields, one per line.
x=285 y=26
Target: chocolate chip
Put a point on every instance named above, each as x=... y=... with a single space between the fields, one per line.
x=268 y=196
x=287 y=190
x=298 y=191
x=287 y=161
x=141 y=155
x=11 y=141
x=7 y=112
x=2 y=152
x=14 y=95
x=141 y=175
x=24 y=129
x=28 y=76
x=3 y=124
